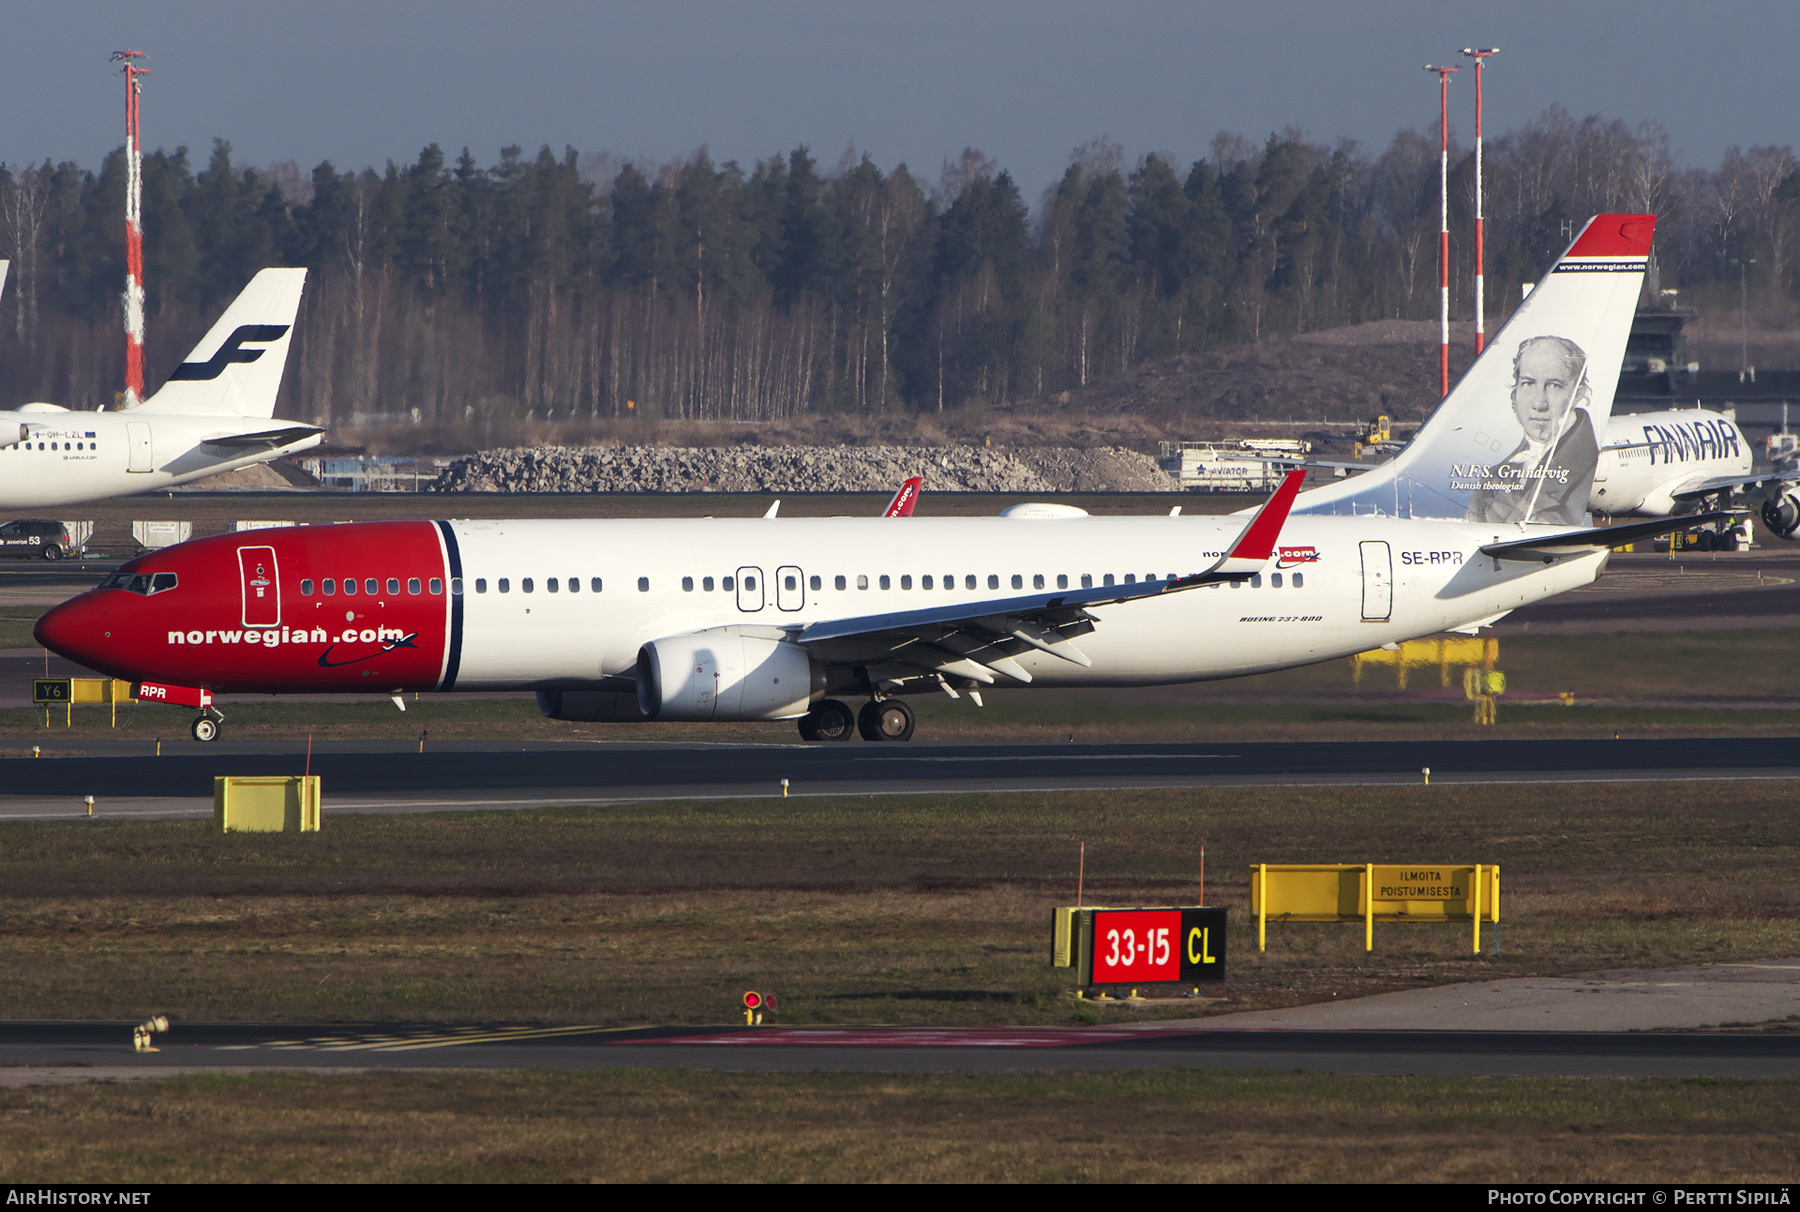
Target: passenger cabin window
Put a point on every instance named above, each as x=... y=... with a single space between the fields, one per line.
x=1256 y=581
x=1018 y=582
x=525 y=584
x=925 y=583
x=643 y=584
x=437 y=586
x=993 y=581
x=862 y=582
x=306 y=588
x=1107 y=579
x=550 y=585
x=504 y=585
x=480 y=584
x=1131 y=578
x=349 y=586
x=839 y=583
x=706 y=584
x=969 y=581
x=730 y=583
x=1062 y=580
x=574 y=584
x=1275 y=580
x=885 y=584
x=393 y=587
x=906 y=582
x=816 y=582
x=1037 y=581
x=372 y=586
x=413 y=585
x=1087 y=580
x=594 y=584
x=330 y=587
x=792 y=583
x=1299 y=579
x=687 y=584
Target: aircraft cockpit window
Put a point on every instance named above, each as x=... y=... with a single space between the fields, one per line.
x=162 y=582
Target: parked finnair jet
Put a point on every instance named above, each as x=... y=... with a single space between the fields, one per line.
x=214 y=414
x=1656 y=462
x=782 y=619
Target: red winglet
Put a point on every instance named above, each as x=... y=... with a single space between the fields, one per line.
x=1258 y=541
x=1615 y=236
x=904 y=500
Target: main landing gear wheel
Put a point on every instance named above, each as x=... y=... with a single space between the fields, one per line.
x=205 y=728
x=885 y=720
x=829 y=720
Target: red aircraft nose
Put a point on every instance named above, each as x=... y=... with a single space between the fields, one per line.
x=69 y=630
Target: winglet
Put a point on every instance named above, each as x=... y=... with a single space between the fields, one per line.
x=904 y=500
x=1257 y=543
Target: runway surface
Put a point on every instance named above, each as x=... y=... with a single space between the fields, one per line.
x=378 y=776
x=104 y=1049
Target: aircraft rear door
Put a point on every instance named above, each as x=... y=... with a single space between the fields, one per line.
x=259 y=577
x=1377 y=582
x=750 y=589
x=140 y=454
x=790 y=588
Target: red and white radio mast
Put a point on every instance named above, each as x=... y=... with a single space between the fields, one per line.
x=134 y=229
x=1443 y=74
x=1480 y=247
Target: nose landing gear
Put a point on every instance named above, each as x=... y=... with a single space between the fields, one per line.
x=206 y=727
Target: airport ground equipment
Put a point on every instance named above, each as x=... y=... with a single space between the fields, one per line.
x=1365 y=892
x=266 y=803
x=154 y=536
x=1139 y=946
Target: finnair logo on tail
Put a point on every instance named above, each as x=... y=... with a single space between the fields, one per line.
x=230 y=352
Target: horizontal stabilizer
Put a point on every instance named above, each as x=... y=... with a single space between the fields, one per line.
x=1598 y=538
x=267 y=439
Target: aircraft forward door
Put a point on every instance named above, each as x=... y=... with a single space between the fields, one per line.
x=790 y=588
x=750 y=589
x=140 y=455
x=260 y=580
x=1377 y=582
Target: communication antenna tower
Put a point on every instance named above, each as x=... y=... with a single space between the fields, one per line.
x=134 y=228
x=1480 y=57
x=1443 y=74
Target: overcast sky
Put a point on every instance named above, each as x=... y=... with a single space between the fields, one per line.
x=360 y=82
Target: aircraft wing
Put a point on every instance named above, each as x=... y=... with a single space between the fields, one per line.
x=267 y=439
x=1695 y=490
x=904 y=500
x=978 y=640
x=1579 y=542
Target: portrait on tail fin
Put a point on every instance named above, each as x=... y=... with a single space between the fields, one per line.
x=1547 y=476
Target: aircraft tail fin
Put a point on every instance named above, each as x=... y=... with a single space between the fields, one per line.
x=1517 y=439
x=236 y=369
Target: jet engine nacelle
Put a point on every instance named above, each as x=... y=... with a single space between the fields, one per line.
x=725 y=675
x=590 y=706
x=1781 y=514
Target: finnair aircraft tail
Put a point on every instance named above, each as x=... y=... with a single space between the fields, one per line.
x=235 y=371
x=1517 y=440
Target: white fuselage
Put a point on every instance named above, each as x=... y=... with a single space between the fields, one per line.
x=1649 y=457
x=1346 y=585
x=68 y=457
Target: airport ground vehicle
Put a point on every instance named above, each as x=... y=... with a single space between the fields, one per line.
x=782 y=619
x=37 y=539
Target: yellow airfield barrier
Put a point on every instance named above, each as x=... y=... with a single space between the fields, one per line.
x=1446 y=652
x=1340 y=892
x=47 y=692
x=266 y=803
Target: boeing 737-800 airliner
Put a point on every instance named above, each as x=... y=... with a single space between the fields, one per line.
x=214 y=414
x=782 y=619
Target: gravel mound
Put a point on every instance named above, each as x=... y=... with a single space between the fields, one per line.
x=802 y=469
